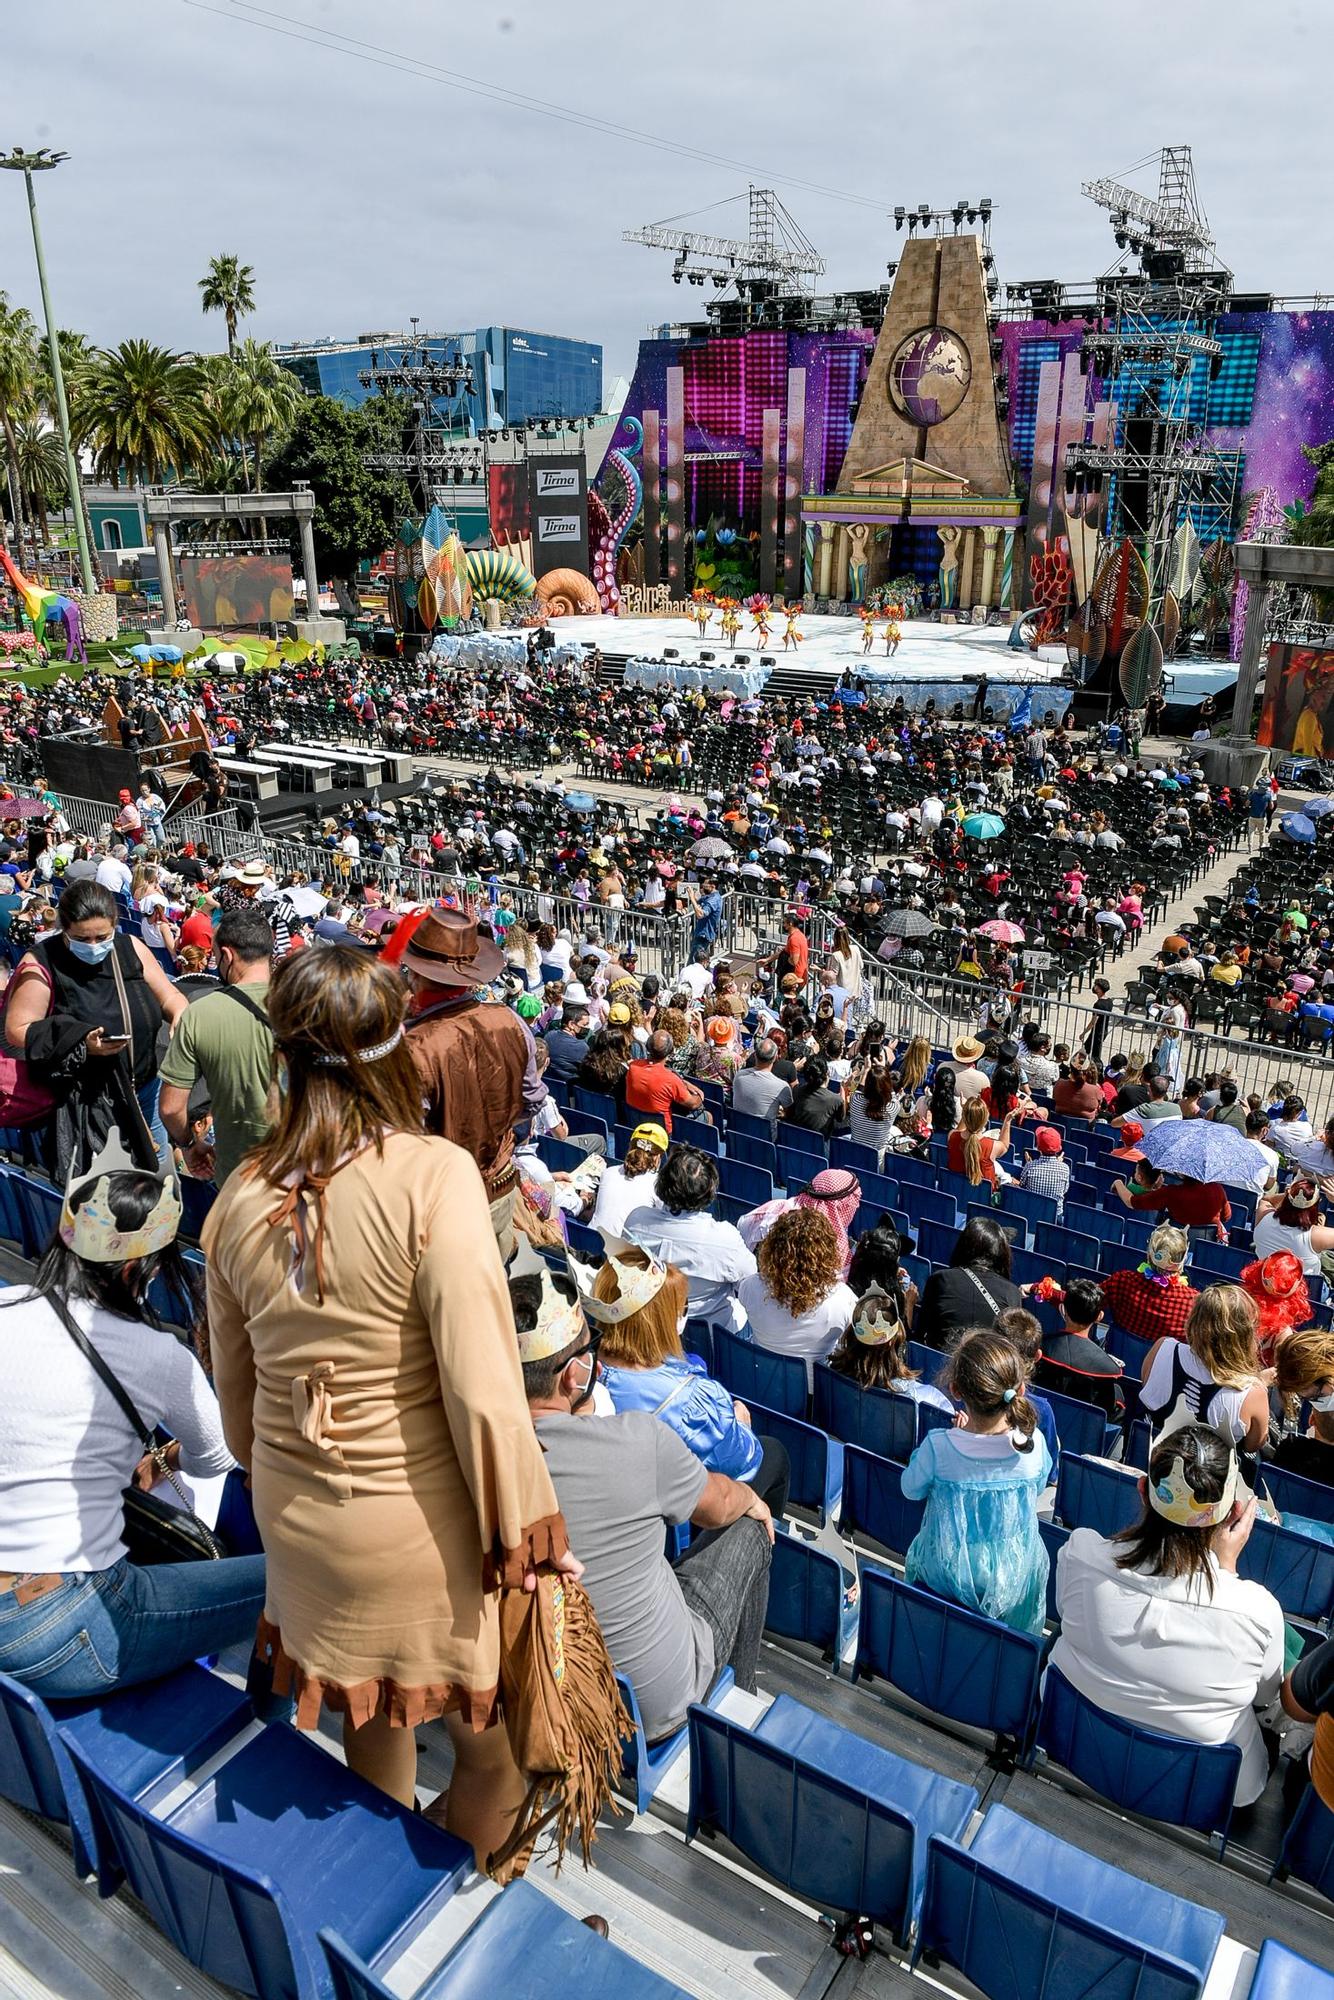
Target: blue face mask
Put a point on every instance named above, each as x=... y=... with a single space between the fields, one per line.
x=91 y=952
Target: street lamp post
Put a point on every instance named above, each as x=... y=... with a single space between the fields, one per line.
x=29 y=164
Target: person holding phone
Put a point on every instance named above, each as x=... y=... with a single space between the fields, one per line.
x=84 y=1009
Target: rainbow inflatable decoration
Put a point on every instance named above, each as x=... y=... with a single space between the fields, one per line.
x=42 y=605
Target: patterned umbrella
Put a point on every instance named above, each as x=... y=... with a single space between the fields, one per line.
x=1317 y=808
x=909 y=924
x=984 y=826
x=1296 y=826
x=1199 y=1150
x=1001 y=931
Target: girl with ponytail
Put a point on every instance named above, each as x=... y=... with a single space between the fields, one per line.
x=981 y=1482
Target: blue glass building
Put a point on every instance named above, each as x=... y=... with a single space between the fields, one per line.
x=518 y=376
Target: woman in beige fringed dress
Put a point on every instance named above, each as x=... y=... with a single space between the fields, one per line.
x=366 y=1363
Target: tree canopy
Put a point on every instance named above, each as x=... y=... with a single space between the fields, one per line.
x=358 y=508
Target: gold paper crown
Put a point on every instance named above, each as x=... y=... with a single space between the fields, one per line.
x=1171 y=1496
x=637 y=1285
x=559 y=1321
x=875 y=1328
x=91 y=1231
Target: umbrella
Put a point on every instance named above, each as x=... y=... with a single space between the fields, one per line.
x=580 y=802
x=711 y=848
x=1201 y=1151
x=1317 y=808
x=1296 y=826
x=909 y=924
x=24 y=808
x=984 y=826
x=306 y=901
x=1001 y=931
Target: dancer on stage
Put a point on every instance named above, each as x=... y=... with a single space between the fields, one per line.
x=703 y=611
x=731 y=619
x=791 y=636
x=868 y=628
x=758 y=608
x=892 y=635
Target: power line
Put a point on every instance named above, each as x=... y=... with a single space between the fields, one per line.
x=272 y=23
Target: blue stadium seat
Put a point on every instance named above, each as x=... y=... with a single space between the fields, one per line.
x=587 y=1122
x=753 y=1373
x=875 y=1419
x=741 y=1125
x=858 y=1159
x=523 y=1946
x=1097 y=1222
x=760 y=1153
x=1018 y=1201
x=558 y=1154
x=1026 y=1916
x=1080 y=1426
x=1308 y=1845
x=798 y=1140
x=806 y=1590
x=880 y=1191
x=1069 y=1245
x=281 y=1841
x=644 y=1765
x=1129 y=1348
x=1028 y=1267
x=1220 y=1260
x=39 y=1211
x=1016 y=1228
x=1141 y=1770
x=1138 y=1440
x=1120 y=1257
x=1054 y=1539
x=584 y=1242
x=745 y=1183
x=816 y=1461
x=916 y=1267
x=873 y=1502
x=930 y=1205
x=1292 y=1494
x=936 y=1241
x=1281 y=1975
x=950 y=1660
x=698 y=1339
x=148 y=1736
x=696 y=1132
x=1296 y=1568
x=714 y=1094
x=796 y=1168
x=930 y=1362
x=909 y=1172
x=830 y=1816
x=598 y=1104
x=1092 y=1495
x=12 y=1229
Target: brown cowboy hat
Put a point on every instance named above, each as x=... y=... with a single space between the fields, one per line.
x=448 y=949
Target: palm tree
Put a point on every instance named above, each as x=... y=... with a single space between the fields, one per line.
x=144 y=413
x=263 y=398
x=41 y=463
x=228 y=287
x=19 y=373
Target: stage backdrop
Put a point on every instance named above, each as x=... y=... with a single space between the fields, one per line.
x=1297 y=712
x=227 y=591
x=558 y=510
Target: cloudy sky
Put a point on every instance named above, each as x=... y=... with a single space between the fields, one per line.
x=394 y=172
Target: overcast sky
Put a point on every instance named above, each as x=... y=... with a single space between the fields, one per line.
x=362 y=192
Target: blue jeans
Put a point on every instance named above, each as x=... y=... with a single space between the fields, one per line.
x=110 y=1628
x=148 y=1104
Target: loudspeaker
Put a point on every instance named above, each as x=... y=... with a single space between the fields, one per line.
x=1135 y=491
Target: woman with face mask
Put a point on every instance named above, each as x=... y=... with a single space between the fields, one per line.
x=84 y=1009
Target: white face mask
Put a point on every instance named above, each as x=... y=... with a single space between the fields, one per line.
x=1324 y=1405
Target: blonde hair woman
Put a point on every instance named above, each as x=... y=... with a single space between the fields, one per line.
x=1216 y=1368
x=367 y=1368
x=1304 y=1373
x=972 y=1151
x=913 y=1068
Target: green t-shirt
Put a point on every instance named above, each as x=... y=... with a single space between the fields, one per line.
x=220 y=1040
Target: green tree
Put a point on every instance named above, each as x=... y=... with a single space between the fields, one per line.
x=41 y=461
x=144 y=413
x=228 y=287
x=261 y=401
x=358 y=507
x=19 y=377
x=1314 y=526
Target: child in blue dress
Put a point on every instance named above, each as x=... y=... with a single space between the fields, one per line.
x=979 y=1543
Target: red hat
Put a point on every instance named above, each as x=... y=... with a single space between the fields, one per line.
x=1048 y=1139
x=1131 y=1131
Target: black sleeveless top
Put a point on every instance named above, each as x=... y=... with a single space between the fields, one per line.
x=88 y=993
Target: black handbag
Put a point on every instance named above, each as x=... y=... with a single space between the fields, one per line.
x=154 y=1530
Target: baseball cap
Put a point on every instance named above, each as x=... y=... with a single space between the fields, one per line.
x=1131 y=1131
x=1047 y=1139
x=619 y=1014
x=649 y=1135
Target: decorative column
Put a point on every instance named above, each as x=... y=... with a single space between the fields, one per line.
x=162 y=550
x=990 y=537
x=966 y=569
x=839 y=593
x=308 y=566
x=825 y=562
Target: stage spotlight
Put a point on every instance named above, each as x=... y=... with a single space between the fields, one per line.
x=984 y=208
x=676 y=277
x=972 y=215
x=961 y=209
x=924 y=210
x=899 y=214
x=1120 y=239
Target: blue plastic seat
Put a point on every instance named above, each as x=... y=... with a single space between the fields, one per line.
x=742 y=1125
x=1142 y=1770
x=1020 y=1201
x=873 y=1502
x=1066 y=1243
x=39 y=1210
x=875 y=1419
x=1080 y=1426
x=1027 y=1267
x=1093 y=1495
x=760 y=1153
x=588 y=1123
x=595 y=1104
x=1129 y=1348
x=936 y=1241
x=1308 y=1845
x=830 y=1816
x=1281 y=1974
x=745 y=1183
x=1014 y=1226
x=148 y=1736
x=558 y=1154
x=1292 y=1494
x=1296 y=1568
x=585 y=1242
x=930 y=1205
x=696 y=1132
x=1054 y=1539
x=755 y=1375
x=1096 y=1222
x=858 y=1159
x=644 y=1765
x=798 y=1140
x=282 y=1841
x=909 y=1172
x=880 y=1191
x=806 y=1590
x=950 y=1660
x=1027 y=1916
x=523 y=1946
x=815 y=1460
x=698 y=1339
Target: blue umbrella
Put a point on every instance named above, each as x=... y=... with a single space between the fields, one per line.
x=1201 y=1151
x=1296 y=826
x=1317 y=808
x=580 y=802
x=984 y=826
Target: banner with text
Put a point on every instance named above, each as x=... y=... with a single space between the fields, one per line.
x=558 y=511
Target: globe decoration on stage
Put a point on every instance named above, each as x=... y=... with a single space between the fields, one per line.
x=929 y=375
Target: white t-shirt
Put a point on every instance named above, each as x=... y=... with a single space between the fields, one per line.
x=1270 y=1234
x=813 y=1335
x=696 y=980
x=1161 y=1652
x=67 y=1450
x=970 y=1082
x=1213 y=1402
x=617 y=1195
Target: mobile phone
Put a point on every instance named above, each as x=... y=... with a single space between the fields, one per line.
x=115 y=1041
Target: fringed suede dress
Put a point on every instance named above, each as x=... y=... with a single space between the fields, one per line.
x=366 y=1363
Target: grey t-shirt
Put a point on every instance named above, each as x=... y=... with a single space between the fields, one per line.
x=618 y=1479
x=758 y=1093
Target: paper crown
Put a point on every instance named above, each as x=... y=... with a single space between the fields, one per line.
x=874 y=1328
x=637 y=1284
x=1171 y=1496
x=88 y=1227
x=559 y=1320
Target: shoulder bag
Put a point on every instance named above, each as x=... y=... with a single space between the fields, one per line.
x=154 y=1531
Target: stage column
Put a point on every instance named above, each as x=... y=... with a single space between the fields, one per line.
x=839 y=590
x=968 y=550
x=990 y=537
x=824 y=571
x=308 y=566
x=166 y=581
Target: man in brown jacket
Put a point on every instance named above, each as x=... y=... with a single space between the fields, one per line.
x=476 y=1062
